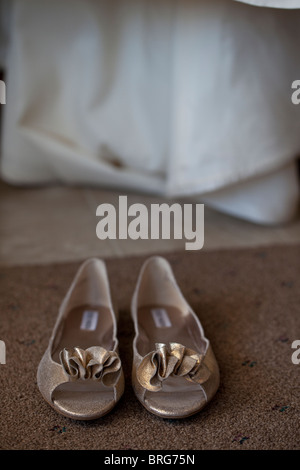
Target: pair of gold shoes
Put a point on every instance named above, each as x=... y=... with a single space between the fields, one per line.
x=174 y=373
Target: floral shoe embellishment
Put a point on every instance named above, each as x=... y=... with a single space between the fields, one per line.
x=94 y=363
x=173 y=359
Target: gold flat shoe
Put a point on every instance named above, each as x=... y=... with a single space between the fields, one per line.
x=175 y=373
x=80 y=373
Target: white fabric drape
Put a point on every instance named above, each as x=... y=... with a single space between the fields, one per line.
x=273 y=3
x=173 y=98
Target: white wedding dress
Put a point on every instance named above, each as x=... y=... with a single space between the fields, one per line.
x=170 y=98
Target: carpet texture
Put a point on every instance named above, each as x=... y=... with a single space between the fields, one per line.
x=248 y=302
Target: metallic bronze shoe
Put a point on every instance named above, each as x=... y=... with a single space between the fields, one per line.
x=80 y=374
x=175 y=373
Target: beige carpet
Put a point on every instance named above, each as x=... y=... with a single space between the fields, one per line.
x=249 y=304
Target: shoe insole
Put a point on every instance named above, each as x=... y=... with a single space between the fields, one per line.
x=86 y=326
x=166 y=324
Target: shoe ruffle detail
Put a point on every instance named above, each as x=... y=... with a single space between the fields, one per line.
x=171 y=359
x=94 y=363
